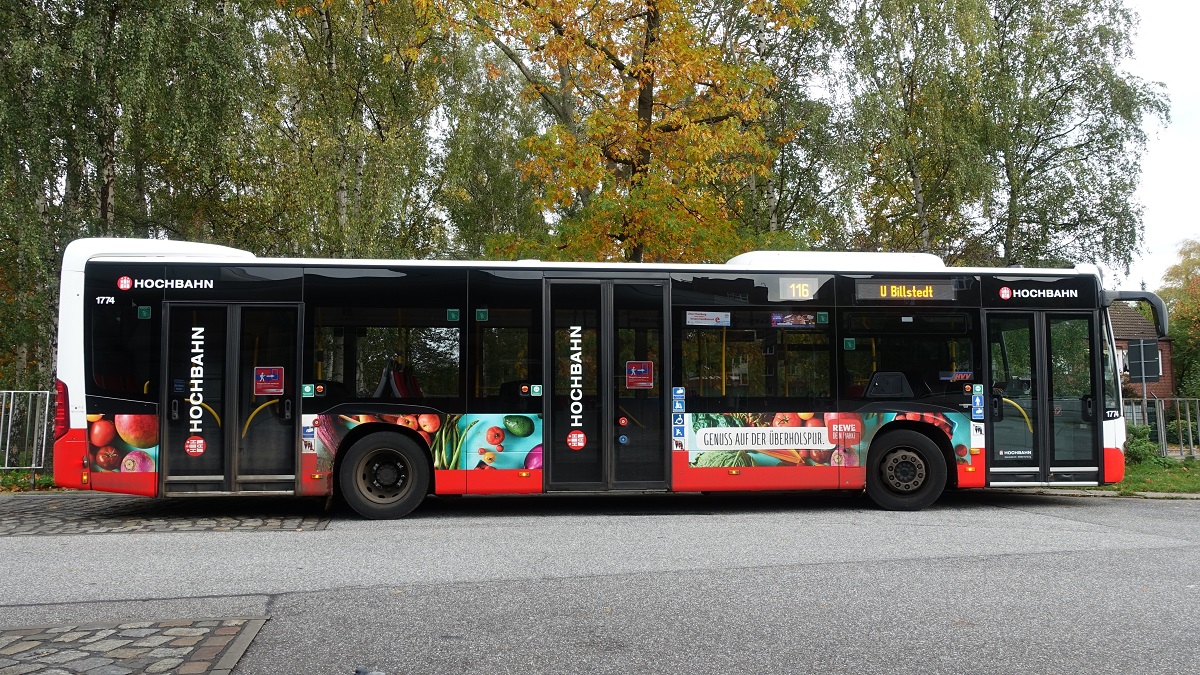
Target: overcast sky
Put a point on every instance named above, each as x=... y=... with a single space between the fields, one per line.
x=1168 y=51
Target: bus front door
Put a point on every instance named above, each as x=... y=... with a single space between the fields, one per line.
x=1043 y=424
x=605 y=406
x=231 y=399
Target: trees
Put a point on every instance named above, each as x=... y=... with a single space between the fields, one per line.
x=1065 y=132
x=654 y=103
x=1181 y=292
x=999 y=131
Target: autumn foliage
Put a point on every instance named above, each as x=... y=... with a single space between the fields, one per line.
x=654 y=109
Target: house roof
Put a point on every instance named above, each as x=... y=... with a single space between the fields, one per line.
x=1129 y=324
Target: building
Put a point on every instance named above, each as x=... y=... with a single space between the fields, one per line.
x=1130 y=325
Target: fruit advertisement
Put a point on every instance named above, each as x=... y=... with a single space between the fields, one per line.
x=801 y=438
x=124 y=443
x=485 y=441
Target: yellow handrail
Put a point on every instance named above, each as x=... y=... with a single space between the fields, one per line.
x=246 y=427
x=214 y=413
x=1020 y=410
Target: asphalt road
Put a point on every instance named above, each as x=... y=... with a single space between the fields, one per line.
x=991 y=582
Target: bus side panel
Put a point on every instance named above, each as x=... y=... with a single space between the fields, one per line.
x=802 y=450
x=122 y=452
x=504 y=482
x=471 y=453
x=972 y=476
x=141 y=483
x=449 y=482
x=71 y=460
x=1114 y=465
x=686 y=478
x=1113 y=432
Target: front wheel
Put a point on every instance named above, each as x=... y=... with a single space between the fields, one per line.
x=906 y=472
x=384 y=475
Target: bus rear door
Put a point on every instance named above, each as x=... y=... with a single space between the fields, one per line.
x=231 y=399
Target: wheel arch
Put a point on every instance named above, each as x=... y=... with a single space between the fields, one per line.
x=363 y=430
x=927 y=430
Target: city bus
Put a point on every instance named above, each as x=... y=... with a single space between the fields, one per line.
x=188 y=369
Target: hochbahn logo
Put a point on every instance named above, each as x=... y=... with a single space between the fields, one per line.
x=126 y=283
x=1007 y=293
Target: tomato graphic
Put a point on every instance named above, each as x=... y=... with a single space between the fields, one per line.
x=494 y=435
x=786 y=420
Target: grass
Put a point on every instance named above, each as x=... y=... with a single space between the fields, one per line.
x=1160 y=475
x=22 y=480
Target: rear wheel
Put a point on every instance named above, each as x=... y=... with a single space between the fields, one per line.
x=905 y=472
x=384 y=475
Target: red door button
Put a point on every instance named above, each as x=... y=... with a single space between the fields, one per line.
x=623 y=421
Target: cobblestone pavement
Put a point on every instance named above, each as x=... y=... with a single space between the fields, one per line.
x=185 y=647
x=92 y=513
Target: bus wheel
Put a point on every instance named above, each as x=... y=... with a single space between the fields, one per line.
x=905 y=472
x=384 y=475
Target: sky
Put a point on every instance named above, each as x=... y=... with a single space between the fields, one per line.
x=1167 y=51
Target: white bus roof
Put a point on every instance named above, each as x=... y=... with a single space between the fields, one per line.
x=80 y=251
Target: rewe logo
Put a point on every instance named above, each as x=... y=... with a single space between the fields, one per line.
x=124 y=283
x=1005 y=293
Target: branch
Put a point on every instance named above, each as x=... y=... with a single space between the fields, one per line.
x=715 y=119
x=539 y=84
x=561 y=29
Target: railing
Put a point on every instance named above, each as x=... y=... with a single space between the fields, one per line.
x=24 y=429
x=1174 y=423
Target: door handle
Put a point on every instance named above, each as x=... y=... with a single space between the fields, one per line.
x=174 y=410
x=997 y=407
x=287 y=408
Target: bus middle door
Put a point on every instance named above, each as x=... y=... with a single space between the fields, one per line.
x=606 y=411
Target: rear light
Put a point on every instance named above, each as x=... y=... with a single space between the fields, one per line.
x=62 y=417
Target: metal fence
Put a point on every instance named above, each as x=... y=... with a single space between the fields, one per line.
x=1174 y=423
x=24 y=429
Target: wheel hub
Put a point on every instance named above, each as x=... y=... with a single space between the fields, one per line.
x=904 y=471
x=387 y=474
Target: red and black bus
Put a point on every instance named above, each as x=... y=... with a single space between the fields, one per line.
x=194 y=369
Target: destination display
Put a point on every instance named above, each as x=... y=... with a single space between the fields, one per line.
x=911 y=289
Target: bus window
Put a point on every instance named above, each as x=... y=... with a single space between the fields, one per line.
x=505 y=341
x=384 y=333
x=769 y=353
x=125 y=350
x=935 y=352
x=370 y=353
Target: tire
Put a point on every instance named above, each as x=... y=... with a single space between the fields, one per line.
x=905 y=471
x=384 y=475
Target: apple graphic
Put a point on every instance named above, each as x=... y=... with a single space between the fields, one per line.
x=139 y=431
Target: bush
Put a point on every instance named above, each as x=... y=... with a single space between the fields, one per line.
x=1177 y=432
x=1138 y=446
